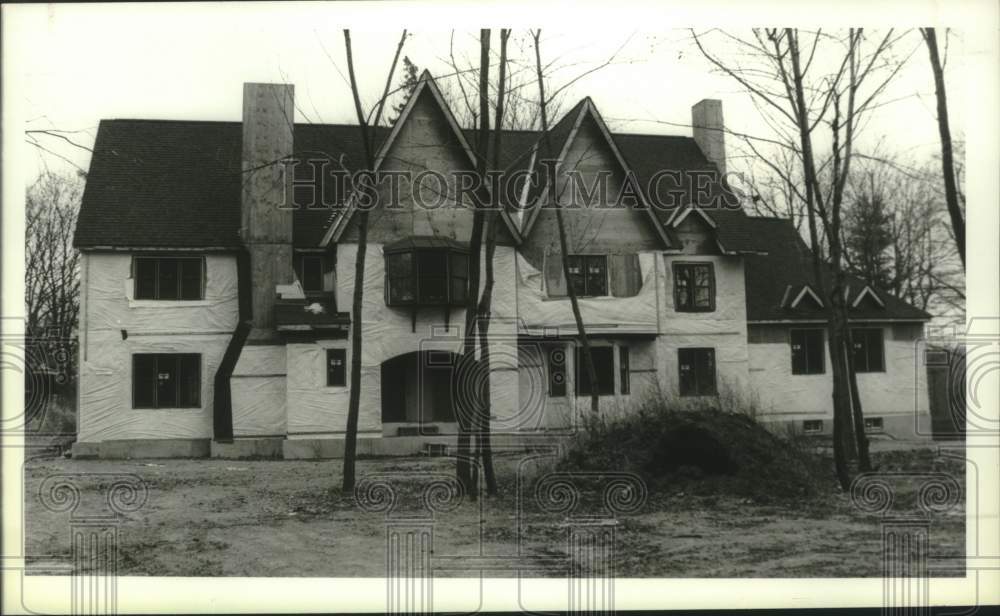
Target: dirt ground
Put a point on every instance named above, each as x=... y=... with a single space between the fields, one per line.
x=210 y=517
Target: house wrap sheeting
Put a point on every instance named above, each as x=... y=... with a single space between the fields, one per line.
x=114 y=326
x=621 y=315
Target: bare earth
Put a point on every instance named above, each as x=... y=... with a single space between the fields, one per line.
x=211 y=517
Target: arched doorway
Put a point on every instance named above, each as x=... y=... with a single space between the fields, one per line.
x=417 y=388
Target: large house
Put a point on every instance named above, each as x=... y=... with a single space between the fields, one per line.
x=219 y=263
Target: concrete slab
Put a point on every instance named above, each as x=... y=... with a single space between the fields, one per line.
x=243 y=448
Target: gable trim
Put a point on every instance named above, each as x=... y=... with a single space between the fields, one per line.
x=807 y=290
x=426 y=82
x=679 y=217
x=871 y=293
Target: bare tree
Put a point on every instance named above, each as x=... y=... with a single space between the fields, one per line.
x=829 y=80
x=588 y=361
x=947 y=154
x=367 y=138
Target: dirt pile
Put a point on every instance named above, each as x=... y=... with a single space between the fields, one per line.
x=699 y=452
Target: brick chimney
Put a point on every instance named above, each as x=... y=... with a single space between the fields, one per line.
x=266 y=224
x=706 y=118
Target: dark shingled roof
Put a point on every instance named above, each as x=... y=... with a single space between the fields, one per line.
x=788 y=263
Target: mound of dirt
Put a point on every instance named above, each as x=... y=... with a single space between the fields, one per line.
x=699 y=452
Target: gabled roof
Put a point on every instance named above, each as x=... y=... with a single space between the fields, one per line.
x=775 y=279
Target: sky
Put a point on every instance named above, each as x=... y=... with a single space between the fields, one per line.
x=77 y=64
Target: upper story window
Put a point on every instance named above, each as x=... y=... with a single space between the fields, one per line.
x=432 y=273
x=869 y=351
x=694 y=287
x=309 y=268
x=807 y=351
x=588 y=274
x=169 y=278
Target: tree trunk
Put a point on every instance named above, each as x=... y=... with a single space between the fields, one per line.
x=563 y=243
x=947 y=155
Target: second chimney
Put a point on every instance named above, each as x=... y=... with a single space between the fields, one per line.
x=709 y=133
x=266 y=223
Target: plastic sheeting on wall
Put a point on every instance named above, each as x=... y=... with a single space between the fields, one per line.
x=259 y=391
x=115 y=326
x=637 y=314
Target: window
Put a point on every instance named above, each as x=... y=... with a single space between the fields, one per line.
x=588 y=274
x=336 y=367
x=694 y=287
x=869 y=354
x=435 y=277
x=623 y=376
x=310 y=272
x=604 y=366
x=807 y=351
x=812 y=425
x=161 y=380
x=697 y=372
x=873 y=424
x=557 y=372
x=171 y=278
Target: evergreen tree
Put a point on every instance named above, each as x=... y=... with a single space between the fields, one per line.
x=406 y=87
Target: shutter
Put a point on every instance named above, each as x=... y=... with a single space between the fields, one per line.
x=626 y=280
x=555 y=282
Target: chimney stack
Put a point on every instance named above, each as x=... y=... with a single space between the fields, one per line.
x=706 y=118
x=266 y=223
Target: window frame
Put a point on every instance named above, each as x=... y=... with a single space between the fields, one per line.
x=301 y=259
x=178 y=359
x=556 y=388
x=450 y=277
x=698 y=391
x=606 y=386
x=157 y=260
x=862 y=334
x=807 y=347
x=624 y=367
x=329 y=373
x=583 y=260
x=817 y=422
x=677 y=267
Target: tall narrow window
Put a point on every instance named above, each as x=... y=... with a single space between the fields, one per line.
x=588 y=274
x=557 y=372
x=604 y=367
x=166 y=380
x=336 y=367
x=401 y=280
x=694 y=287
x=869 y=351
x=697 y=372
x=807 y=351
x=311 y=272
x=169 y=278
x=623 y=377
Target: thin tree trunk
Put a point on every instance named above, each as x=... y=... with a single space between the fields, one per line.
x=947 y=155
x=486 y=301
x=563 y=244
x=354 y=401
x=835 y=342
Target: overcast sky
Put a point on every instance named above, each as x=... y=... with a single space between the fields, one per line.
x=80 y=63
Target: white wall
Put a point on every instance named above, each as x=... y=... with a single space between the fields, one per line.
x=899 y=392
x=108 y=307
x=724 y=329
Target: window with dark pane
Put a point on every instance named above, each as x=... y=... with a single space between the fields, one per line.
x=557 y=372
x=697 y=371
x=694 y=287
x=808 y=353
x=336 y=367
x=604 y=367
x=166 y=380
x=869 y=350
x=169 y=278
x=427 y=276
x=311 y=272
x=401 y=278
x=623 y=369
x=588 y=274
